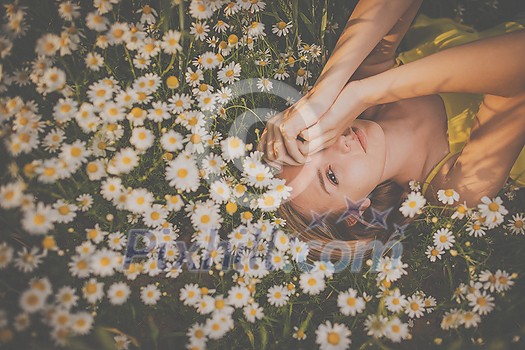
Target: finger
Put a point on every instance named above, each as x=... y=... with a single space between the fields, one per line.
x=270 y=139
x=309 y=147
x=261 y=146
x=322 y=142
x=286 y=160
x=315 y=130
x=292 y=146
x=307 y=111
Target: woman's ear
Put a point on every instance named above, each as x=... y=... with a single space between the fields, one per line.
x=351 y=220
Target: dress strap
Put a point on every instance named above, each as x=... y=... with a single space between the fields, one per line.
x=434 y=172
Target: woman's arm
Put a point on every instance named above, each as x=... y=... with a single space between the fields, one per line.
x=491 y=66
x=370 y=38
x=371 y=22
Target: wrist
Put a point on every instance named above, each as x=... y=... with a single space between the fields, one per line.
x=364 y=92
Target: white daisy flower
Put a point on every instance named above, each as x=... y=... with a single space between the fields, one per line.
x=6 y=255
x=103 y=262
x=448 y=196
x=159 y=111
x=253 y=312
x=200 y=30
x=232 y=147
x=277 y=296
x=193 y=78
x=94 y=61
x=96 y=22
x=139 y=200
x=475 y=228
x=349 y=303
x=391 y=269
x=190 y=294
x=493 y=210
x=238 y=296
x=141 y=138
x=200 y=9
x=178 y=103
x=413 y=204
x=279 y=259
x=269 y=201
x=170 y=42
x=434 y=253
x=82 y=322
x=503 y=281
x=220 y=191
x=516 y=225
x=376 y=325
x=39 y=219
x=415 y=306
x=66 y=297
x=333 y=337
x=53 y=140
x=117 y=240
x=312 y=283
x=229 y=73
x=462 y=210
x=32 y=300
x=174 y=202
x=281 y=28
x=64 y=110
x=469 y=319
x=93 y=291
x=396 y=330
x=118 y=293
x=182 y=173
x=256 y=29
x=444 y=239
x=197 y=333
x=11 y=194
x=264 y=84
x=124 y=161
x=395 y=302
x=299 y=250
x=150 y=294
x=481 y=302
x=150 y=47
x=154 y=216
x=218 y=325
x=65 y=212
x=141 y=61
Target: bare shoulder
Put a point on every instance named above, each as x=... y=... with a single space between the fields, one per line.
x=497 y=138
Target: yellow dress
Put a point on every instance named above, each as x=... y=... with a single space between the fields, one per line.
x=427 y=36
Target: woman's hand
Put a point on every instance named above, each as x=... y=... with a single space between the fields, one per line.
x=279 y=140
x=347 y=107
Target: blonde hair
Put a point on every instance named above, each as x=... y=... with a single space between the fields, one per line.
x=387 y=194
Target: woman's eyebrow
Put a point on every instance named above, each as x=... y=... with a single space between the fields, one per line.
x=321 y=180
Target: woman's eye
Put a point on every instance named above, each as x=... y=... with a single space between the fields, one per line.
x=331 y=176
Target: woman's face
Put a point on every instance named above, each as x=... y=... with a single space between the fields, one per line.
x=343 y=170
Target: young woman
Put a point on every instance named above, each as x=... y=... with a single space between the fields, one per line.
x=411 y=125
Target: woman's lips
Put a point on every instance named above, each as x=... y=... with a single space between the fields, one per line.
x=361 y=137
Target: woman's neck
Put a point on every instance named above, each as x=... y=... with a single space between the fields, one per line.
x=413 y=147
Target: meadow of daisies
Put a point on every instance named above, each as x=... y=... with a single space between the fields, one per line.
x=136 y=212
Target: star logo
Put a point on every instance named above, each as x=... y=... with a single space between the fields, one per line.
x=352 y=209
x=400 y=230
x=317 y=219
x=379 y=217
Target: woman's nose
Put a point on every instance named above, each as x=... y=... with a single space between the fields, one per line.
x=343 y=144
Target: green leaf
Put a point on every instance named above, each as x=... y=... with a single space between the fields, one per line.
x=154 y=331
x=308 y=23
x=264 y=337
x=249 y=333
